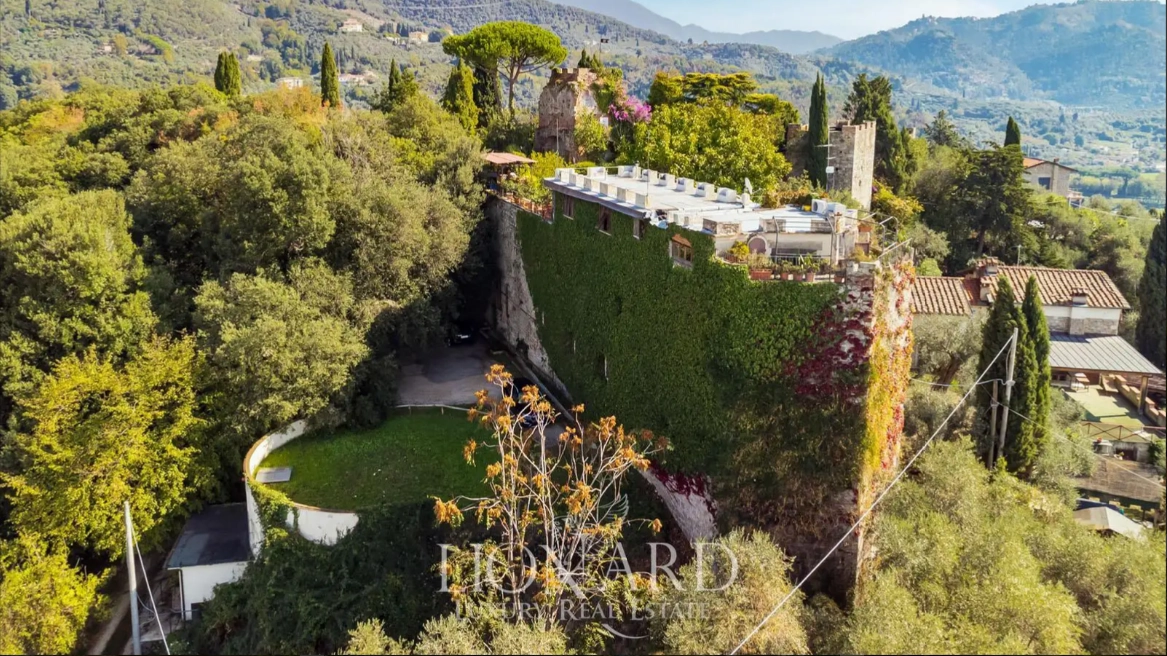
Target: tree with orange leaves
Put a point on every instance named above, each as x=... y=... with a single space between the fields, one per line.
x=556 y=491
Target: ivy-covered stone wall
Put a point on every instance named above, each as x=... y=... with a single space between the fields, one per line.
x=788 y=396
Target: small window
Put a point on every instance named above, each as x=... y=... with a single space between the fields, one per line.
x=604 y=223
x=1043 y=183
x=602 y=367
x=638 y=226
x=567 y=206
x=681 y=251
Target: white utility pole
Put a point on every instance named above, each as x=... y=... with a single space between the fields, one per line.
x=1008 y=394
x=135 y=630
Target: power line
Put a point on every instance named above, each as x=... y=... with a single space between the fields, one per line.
x=875 y=503
x=928 y=382
x=1082 y=448
x=951 y=385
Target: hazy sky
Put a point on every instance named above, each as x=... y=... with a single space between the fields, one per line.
x=843 y=18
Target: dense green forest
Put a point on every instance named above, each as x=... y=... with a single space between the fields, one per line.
x=153 y=243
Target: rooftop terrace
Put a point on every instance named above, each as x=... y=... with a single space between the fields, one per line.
x=701 y=206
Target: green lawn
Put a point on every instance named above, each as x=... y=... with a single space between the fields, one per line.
x=405 y=460
x=1106 y=408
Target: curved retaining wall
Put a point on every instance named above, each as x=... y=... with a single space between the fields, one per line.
x=316 y=524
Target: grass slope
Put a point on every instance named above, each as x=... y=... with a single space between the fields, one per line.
x=407 y=459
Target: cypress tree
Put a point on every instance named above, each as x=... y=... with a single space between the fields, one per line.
x=329 y=81
x=1037 y=334
x=1012 y=133
x=394 y=76
x=584 y=62
x=1021 y=445
x=233 y=79
x=1151 y=330
x=818 y=135
x=1003 y=318
x=398 y=88
x=221 y=73
x=487 y=94
x=459 y=97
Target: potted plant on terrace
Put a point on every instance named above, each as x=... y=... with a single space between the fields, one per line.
x=761 y=268
x=739 y=252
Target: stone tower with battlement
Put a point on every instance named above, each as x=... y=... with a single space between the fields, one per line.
x=568 y=95
x=851 y=152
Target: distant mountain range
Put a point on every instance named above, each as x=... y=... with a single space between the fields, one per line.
x=794 y=42
x=1103 y=54
x=1093 y=53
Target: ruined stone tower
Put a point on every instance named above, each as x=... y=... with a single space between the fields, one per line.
x=851 y=152
x=568 y=94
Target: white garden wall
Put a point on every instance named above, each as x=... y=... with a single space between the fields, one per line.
x=319 y=525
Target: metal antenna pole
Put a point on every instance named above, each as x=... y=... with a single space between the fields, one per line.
x=1008 y=393
x=136 y=631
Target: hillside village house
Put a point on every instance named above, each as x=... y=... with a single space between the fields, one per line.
x=357 y=79
x=826 y=231
x=351 y=25
x=1082 y=307
x=1051 y=176
x=290 y=83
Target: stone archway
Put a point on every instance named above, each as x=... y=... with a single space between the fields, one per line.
x=759 y=245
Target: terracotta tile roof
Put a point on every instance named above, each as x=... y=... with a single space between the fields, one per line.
x=506 y=158
x=1030 y=162
x=1057 y=285
x=940 y=295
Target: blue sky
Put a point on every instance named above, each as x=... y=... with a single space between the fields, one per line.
x=844 y=18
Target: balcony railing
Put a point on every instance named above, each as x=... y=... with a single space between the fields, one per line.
x=544 y=210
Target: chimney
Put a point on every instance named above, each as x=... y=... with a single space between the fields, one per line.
x=986 y=291
x=1079 y=296
x=990 y=267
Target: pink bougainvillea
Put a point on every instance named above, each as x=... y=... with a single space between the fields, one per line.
x=626 y=109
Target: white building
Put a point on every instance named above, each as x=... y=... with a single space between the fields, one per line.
x=212 y=549
x=290 y=83
x=824 y=230
x=351 y=25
